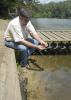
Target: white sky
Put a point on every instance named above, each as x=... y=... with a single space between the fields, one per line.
x=47 y=1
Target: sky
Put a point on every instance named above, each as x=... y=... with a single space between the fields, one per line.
x=47 y=1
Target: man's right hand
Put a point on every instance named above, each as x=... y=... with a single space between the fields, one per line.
x=40 y=47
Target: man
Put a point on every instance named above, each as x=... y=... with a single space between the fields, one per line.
x=16 y=36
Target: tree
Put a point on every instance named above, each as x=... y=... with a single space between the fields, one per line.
x=5 y=5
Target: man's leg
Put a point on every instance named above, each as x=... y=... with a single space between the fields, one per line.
x=10 y=44
x=23 y=55
x=33 y=41
x=25 y=51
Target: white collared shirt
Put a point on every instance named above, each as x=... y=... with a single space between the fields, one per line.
x=17 y=32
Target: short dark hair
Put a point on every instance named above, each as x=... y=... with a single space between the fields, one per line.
x=23 y=12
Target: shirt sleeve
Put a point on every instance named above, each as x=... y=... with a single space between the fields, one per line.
x=16 y=34
x=31 y=28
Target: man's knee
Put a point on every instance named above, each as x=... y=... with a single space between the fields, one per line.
x=32 y=41
x=36 y=42
x=10 y=44
x=22 y=48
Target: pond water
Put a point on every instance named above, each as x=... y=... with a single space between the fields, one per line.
x=49 y=78
x=51 y=24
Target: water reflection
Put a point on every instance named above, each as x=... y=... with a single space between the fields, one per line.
x=54 y=62
x=54 y=83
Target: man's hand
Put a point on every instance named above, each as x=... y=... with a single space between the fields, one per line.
x=44 y=44
x=40 y=47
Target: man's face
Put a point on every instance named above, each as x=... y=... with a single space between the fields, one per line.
x=24 y=20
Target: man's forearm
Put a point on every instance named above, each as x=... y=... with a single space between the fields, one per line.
x=28 y=44
x=41 y=41
x=37 y=37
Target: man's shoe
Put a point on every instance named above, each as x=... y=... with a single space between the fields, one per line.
x=25 y=67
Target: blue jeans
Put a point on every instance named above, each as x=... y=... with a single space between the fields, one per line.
x=24 y=50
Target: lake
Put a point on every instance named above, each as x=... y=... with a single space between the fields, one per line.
x=51 y=24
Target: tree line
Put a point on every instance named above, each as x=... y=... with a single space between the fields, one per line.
x=50 y=10
x=53 y=10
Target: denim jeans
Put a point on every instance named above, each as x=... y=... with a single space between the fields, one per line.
x=24 y=50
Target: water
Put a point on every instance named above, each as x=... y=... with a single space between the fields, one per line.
x=49 y=77
x=52 y=24
x=53 y=82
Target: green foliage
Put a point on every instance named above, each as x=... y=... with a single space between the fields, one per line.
x=52 y=10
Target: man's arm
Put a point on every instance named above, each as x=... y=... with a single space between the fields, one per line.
x=35 y=35
x=41 y=41
x=29 y=44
